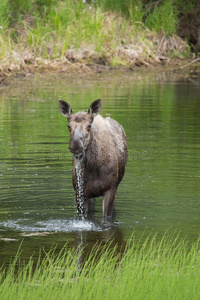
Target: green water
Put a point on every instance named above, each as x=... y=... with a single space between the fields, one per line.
x=161 y=187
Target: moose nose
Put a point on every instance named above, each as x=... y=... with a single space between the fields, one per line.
x=76 y=150
x=76 y=144
x=76 y=147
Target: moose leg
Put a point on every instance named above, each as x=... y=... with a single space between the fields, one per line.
x=108 y=202
x=90 y=204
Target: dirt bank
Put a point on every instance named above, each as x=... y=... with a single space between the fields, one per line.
x=162 y=51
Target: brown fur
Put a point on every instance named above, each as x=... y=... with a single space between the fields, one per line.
x=105 y=154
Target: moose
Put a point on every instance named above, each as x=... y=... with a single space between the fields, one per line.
x=100 y=145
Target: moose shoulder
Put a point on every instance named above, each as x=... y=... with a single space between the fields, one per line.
x=100 y=145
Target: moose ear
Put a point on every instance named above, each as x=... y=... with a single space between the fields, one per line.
x=65 y=109
x=95 y=108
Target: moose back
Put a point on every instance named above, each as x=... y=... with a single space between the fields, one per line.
x=100 y=145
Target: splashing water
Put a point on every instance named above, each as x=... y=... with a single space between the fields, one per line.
x=80 y=198
x=51 y=225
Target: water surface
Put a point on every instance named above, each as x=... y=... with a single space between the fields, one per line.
x=161 y=187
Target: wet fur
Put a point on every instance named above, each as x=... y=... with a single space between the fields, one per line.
x=100 y=145
x=104 y=160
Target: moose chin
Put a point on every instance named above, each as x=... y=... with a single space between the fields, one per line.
x=100 y=146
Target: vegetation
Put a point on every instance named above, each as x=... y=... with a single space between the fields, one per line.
x=153 y=270
x=107 y=32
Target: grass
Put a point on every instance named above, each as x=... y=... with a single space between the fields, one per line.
x=163 y=18
x=159 y=17
x=42 y=34
x=168 y=269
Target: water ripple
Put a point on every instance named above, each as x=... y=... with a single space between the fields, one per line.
x=52 y=225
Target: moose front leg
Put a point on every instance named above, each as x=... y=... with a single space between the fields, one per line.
x=108 y=202
x=90 y=204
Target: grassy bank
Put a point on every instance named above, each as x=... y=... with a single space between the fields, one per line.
x=69 y=36
x=153 y=270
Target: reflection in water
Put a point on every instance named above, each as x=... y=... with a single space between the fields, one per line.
x=160 y=189
x=86 y=244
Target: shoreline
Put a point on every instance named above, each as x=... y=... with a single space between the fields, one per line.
x=27 y=66
x=81 y=37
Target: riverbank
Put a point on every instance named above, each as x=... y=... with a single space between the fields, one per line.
x=78 y=37
x=24 y=62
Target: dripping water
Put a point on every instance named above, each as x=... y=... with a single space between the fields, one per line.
x=80 y=198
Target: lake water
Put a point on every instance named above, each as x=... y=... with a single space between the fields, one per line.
x=160 y=113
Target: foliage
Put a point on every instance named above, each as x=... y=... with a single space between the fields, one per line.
x=136 y=11
x=155 y=270
x=163 y=18
x=48 y=28
x=156 y=15
x=4 y=14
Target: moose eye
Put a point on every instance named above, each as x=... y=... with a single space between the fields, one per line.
x=89 y=126
x=69 y=127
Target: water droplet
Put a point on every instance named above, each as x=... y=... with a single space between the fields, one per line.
x=80 y=187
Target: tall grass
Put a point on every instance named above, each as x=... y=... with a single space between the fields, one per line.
x=168 y=269
x=163 y=18
x=157 y=16
x=109 y=32
x=4 y=14
x=70 y=25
